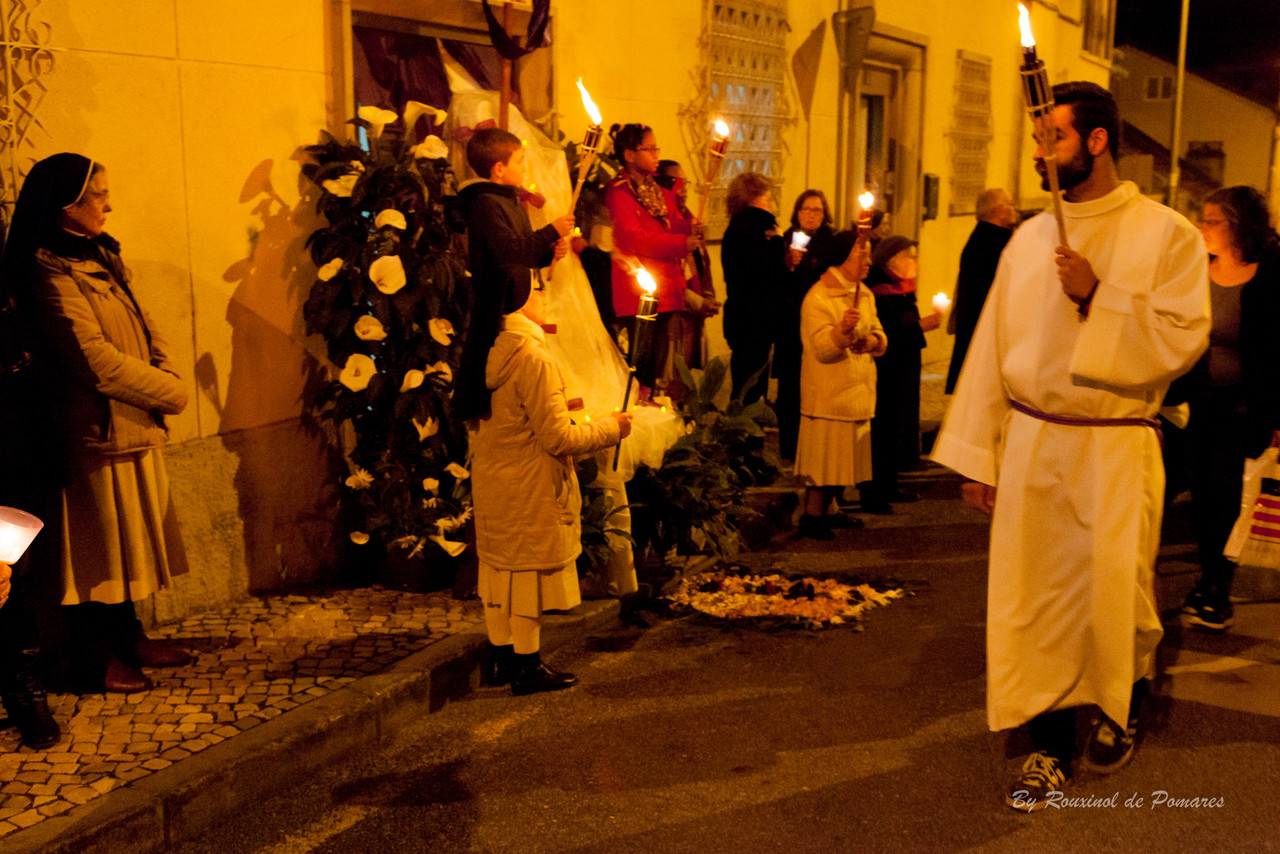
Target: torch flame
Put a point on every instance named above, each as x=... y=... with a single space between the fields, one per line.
x=866 y=201
x=589 y=104
x=1024 y=24
x=645 y=280
x=722 y=129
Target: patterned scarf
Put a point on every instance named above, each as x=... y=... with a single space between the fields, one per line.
x=649 y=194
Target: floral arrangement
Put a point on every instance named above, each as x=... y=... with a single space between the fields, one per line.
x=390 y=302
x=813 y=603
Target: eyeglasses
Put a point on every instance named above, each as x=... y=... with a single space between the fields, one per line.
x=652 y=148
x=813 y=210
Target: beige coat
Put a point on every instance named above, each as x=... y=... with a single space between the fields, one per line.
x=524 y=487
x=835 y=383
x=116 y=375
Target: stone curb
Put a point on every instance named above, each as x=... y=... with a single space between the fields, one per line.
x=184 y=800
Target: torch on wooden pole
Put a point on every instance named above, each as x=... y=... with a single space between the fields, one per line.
x=715 y=156
x=1039 y=100
x=586 y=153
x=646 y=314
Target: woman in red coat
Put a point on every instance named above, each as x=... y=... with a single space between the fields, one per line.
x=648 y=231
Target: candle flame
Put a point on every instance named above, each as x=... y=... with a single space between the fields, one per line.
x=866 y=201
x=1024 y=24
x=645 y=280
x=589 y=105
x=722 y=129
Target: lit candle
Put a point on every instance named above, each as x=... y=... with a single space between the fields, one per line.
x=800 y=240
x=645 y=316
x=17 y=529
x=941 y=302
x=866 y=204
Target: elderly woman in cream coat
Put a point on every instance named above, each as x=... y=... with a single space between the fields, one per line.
x=840 y=334
x=525 y=490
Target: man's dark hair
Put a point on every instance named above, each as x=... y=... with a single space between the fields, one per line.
x=665 y=166
x=1091 y=107
x=627 y=137
x=490 y=146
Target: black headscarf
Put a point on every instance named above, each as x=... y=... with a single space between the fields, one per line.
x=53 y=185
x=471 y=396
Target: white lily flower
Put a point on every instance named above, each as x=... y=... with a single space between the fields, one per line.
x=431 y=148
x=360 y=480
x=387 y=273
x=328 y=271
x=357 y=372
x=359 y=537
x=453 y=549
x=377 y=118
x=391 y=217
x=441 y=368
x=441 y=330
x=415 y=110
x=369 y=328
x=431 y=485
x=457 y=471
x=343 y=186
x=412 y=379
x=426 y=431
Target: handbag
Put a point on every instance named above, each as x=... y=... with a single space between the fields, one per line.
x=1255 y=537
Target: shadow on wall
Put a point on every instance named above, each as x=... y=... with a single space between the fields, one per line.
x=283 y=479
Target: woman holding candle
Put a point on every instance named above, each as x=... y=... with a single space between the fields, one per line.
x=113 y=383
x=895 y=432
x=649 y=231
x=840 y=334
x=1234 y=390
x=806 y=241
x=752 y=255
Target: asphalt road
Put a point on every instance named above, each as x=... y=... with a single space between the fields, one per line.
x=686 y=736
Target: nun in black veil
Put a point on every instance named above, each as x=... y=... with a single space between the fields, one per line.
x=111 y=380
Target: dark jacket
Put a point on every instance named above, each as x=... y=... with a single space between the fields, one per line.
x=499 y=237
x=755 y=273
x=900 y=318
x=809 y=270
x=978 y=264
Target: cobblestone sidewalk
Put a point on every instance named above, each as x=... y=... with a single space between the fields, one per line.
x=254 y=661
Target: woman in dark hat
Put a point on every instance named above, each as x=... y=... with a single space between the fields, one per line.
x=112 y=382
x=895 y=431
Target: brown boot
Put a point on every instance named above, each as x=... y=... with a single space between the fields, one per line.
x=123 y=679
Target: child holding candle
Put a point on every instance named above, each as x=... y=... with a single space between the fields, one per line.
x=525 y=491
x=839 y=333
x=498 y=232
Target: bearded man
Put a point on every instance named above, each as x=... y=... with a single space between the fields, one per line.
x=1053 y=423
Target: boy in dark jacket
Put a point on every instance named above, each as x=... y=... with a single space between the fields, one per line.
x=498 y=234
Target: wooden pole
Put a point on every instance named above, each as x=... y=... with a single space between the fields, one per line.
x=504 y=94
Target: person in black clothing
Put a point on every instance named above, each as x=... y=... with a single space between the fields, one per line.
x=752 y=255
x=32 y=472
x=498 y=233
x=811 y=218
x=1234 y=390
x=996 y=219
x=895 y=430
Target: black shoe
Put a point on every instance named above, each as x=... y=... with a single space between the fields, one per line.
x=1041 y=780
x=27 y=704
x=840 y=520
x=900 y=497
x=1195 y=600
x=1110 y=747
x=815 y=528
x=499 y=665
x=534 y=676
x=1215 y=617
x=876 y=507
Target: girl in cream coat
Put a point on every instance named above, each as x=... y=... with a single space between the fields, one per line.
x=840 y=334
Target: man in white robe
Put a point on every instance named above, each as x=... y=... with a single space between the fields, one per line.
x=1055 y=406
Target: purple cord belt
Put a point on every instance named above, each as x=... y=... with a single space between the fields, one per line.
x=1080 y=421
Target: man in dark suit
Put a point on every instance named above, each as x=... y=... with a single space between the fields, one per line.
x=996 y=219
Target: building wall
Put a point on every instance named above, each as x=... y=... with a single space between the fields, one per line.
x=1209 y=113
x=199 y=112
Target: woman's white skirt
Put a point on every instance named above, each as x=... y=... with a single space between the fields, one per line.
x=833 y=453
x=529 y=592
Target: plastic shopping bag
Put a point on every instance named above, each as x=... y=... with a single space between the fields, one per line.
x=1255 y=538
